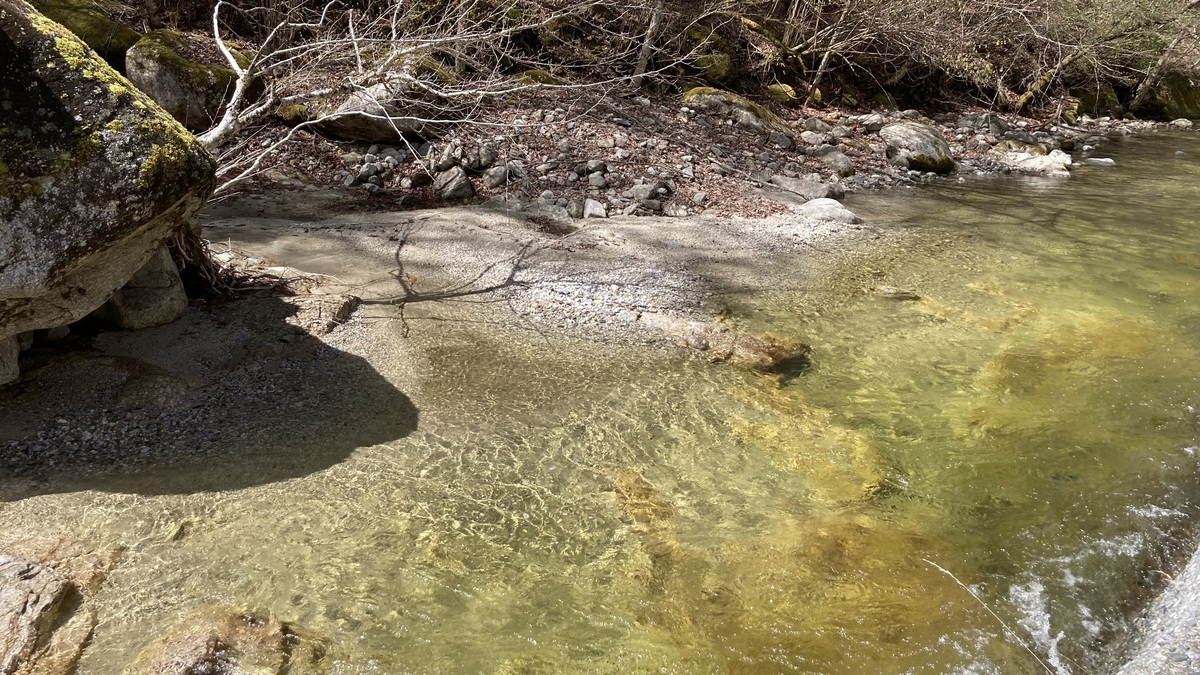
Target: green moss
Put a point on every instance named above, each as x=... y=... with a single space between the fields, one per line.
x=293 y=114
x=782 y=93
x=695 y=94
x=538 y=77
x=164 y=46
x=717 y=67
x=89 y=21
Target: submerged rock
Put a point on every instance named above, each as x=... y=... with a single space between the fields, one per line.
x=1056 y=164
x=893 y=293
x=30 y=597
x=94 y=176
x=219 y=640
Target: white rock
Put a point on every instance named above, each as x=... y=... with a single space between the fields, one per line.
x=827 y=210
x=594 y=209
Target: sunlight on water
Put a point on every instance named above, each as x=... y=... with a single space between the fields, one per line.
x=1026 y=426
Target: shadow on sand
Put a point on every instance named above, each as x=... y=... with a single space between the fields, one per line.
x=224 y=399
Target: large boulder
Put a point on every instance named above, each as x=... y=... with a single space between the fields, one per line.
x=923 y=146
x=742 y=111
x=194 y=90
x=94 y=177
x=92 y=22
x=381 y=113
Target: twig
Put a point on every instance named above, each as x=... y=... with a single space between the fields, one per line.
x=995 y=616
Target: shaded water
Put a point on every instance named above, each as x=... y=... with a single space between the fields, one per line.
x=1027 y=426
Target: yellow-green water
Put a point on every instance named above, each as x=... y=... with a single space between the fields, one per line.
x=1027 y=426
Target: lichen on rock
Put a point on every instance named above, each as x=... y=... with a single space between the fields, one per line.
x=96 y=176
x=194 y=93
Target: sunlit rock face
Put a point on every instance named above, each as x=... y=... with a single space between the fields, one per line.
x=94 y=177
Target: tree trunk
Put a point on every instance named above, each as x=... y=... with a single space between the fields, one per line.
x=648 y=44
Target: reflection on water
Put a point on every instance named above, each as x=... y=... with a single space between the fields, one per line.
x=1021 y=437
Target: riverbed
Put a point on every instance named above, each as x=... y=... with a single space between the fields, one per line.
x=994 y=477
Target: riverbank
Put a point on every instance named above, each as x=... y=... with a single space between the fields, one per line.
x=631 y=155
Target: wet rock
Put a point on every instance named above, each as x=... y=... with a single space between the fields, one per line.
x=30 y=597
x=724 y=344
x=1100 y=161
x=219 y=640
x=453 y=184
x=922 y=145
x=809 y=187
x=1056 y=164
x=827 y=210
x=893 y=293
x=97 y=176
x=153 y=297
x=1182 y=123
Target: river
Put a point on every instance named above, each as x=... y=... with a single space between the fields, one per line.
x=989 y=479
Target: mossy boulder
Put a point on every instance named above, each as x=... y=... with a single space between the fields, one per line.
x=184 y=74
x=783 y=93
x=92 y=22
x=922 y=145
x=740 y=110
x=1098 y=99
x=718 y=67
x=1176 y=95
x=94 y=176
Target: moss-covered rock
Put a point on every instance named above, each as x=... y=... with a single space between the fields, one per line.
x=381 y=113
x=1098 y=99
x=195 y=93
x=782 y=93
x=95 y=175
x=1176 y=95
x=538 y=77
x=740 y=110
x=92 y=22
x=718 y=67
x=921 y=144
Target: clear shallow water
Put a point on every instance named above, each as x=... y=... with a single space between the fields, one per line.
x=1026 y=426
